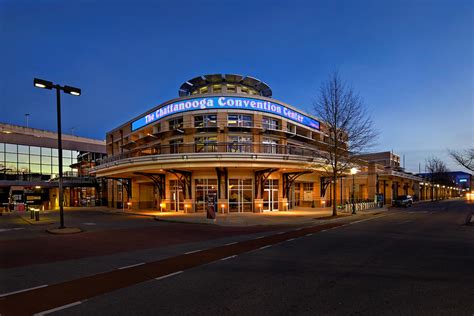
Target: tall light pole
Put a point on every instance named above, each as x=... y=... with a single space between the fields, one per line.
x=27 y=116
x=353 y=172
x=43 y=84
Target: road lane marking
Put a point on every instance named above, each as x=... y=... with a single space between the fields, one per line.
x=280 y=233
x=229 y=257
x=90 y=224
x=131 y=266
x=192 y=251
x=363 y=220
x=168 y=275
x=2 y=230
x=58 y=308
x=24 y=290
x=264 y=247
x=291 y=239
x=308 y=235
x=261 y=237
x=231 y=243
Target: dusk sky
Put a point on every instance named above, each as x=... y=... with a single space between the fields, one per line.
x=411 y=61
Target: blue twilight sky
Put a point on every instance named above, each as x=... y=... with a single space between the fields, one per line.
x=412 y=61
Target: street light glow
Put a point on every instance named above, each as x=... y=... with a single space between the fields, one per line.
x=354 y=170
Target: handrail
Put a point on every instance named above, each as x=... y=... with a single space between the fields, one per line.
x=215 y=147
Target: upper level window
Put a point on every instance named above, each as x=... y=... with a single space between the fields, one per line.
x=270 y=123
x=203 y=90
x=176 y=123
x=239 y=120
x=231 y=88
x=290 y=128
x=270 y=146
x=205 y=144
x=244 y=90
x=217 y=88
x=176 y=146
x=205 y=121
x=240 y=144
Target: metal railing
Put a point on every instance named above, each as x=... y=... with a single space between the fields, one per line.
x=225 y=147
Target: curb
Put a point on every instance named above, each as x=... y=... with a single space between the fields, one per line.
x=33 y=222
x=64 y=231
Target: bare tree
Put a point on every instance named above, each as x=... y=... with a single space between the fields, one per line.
x=464 y=158
x=438 y=172
x=347 y=126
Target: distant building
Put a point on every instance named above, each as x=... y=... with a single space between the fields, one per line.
x=463 y=181
x=29 y=168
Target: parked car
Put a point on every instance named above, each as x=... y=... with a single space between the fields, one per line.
x=403 y=200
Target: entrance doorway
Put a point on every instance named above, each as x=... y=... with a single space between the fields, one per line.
x=240 y=195
x=177 y=196
x=270 y=196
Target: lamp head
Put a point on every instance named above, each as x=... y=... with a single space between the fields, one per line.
x=42 y=84
x=72 y=90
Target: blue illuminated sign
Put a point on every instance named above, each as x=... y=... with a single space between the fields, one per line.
x=225 y=102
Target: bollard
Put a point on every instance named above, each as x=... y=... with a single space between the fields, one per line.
x=37 y=215
x=32 y=214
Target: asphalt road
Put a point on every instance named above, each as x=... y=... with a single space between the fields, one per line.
x=418 y=261
x=414 y=261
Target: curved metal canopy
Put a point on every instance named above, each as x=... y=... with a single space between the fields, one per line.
x=189 y=86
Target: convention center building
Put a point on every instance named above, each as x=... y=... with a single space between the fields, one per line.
x=226 y=141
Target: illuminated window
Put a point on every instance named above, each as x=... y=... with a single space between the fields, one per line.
x=195 y=92
x=270 y=146
x=203 y=90
x=217 y=88
x=231 y=88
x=270 y=123
x=205 y=144
x=244 y=90
x=205 y=121
x=239 y=120
x=176 y=146
x=176 y=123
x=240 y=144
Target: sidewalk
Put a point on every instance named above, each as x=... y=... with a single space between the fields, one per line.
x=299 y=216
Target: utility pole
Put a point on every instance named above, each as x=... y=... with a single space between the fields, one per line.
x=27 y=116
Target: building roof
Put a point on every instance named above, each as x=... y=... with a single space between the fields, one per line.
x=189 y=86
x=16 y=134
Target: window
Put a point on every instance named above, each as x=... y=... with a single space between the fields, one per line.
x=231 y=88
x=205 y=144
x=2 y=147
x=240 y=144
x=35 y=150
x=176 y=146
x=35 y=159
x=270 y=123
x=24 y=158
x=45 y=151
x=10 y=148
x=23 y=149
x=204 y=188
x=244 y=90
x=270 y=146
x=307 y=186
x=203 y=90
x=290 y=128
x=217 y=88
x=205 y=121
x=11 y=157
x=239 y=120
x=176 y=123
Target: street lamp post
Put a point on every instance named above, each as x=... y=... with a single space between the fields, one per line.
x=353 y=172
x=43 y=84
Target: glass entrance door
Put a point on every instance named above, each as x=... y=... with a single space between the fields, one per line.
x=270 y=196
x=240 y=195
x=177 y=196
